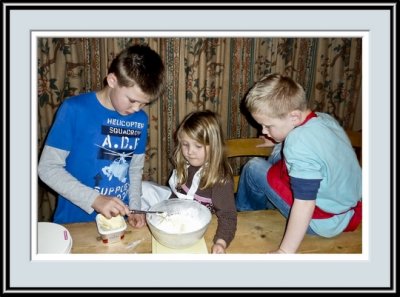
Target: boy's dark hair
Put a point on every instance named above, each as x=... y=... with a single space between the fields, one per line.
x=142 y=66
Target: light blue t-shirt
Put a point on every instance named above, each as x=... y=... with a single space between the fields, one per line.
x=332 y=160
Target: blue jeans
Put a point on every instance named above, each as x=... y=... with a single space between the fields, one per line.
x=254 y=191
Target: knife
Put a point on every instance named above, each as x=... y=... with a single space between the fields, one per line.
x=137 y=211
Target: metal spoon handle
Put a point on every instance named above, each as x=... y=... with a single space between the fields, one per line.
x=137 y=211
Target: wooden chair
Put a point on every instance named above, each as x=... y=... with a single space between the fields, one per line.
x=247 y=147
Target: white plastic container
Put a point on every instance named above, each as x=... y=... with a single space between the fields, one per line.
x=53 y=239
x=111 y=230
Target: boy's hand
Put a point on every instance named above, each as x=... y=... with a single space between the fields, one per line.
x=110 y=207
x=267 y=141
x=137 y=220
x=279 y=251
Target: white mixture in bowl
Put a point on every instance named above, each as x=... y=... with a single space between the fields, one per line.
x=179 y=223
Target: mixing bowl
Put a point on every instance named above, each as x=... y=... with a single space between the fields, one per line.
x=182 y=225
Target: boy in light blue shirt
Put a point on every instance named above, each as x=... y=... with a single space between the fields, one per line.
x=313 y=176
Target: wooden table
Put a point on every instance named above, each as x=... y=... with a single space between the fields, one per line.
x=258 y=232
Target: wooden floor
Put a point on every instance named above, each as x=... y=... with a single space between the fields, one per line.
x=262 y=231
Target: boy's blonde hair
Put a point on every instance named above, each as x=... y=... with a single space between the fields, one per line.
x=205 y=128
x=276 y=95
x=139 y=65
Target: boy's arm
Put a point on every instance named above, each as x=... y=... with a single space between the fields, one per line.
x=135 y=178
x=51 y=170
x=298 y=222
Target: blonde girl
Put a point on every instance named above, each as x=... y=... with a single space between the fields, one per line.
x=202 y=172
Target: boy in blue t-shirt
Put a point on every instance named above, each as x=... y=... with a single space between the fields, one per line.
x=95 y=151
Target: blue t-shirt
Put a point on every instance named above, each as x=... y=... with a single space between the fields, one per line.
x=100 y=143
x=330 y=159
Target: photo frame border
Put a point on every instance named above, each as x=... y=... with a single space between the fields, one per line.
x=31 y=268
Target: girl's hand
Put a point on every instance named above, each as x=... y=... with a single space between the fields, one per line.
x=219 y=247
x=110 y=206
x=137 y=220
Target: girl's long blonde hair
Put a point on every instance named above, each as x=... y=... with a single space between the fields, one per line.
x=205 y=128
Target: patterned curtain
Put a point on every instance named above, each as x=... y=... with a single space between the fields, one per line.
x=201 y=73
